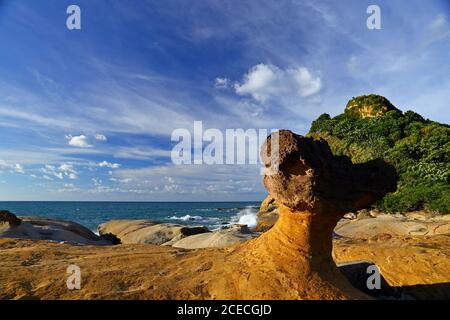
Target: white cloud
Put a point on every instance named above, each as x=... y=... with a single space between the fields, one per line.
x=69 y=187
x=96 y=181
x=308 y=85
x=120 y=180
x=72 y=176
x=140 y=153
x=64 y=170
x=59 y=175
x=106 y=164
x=69 y=171
x=264 y=81
x=100 y=137
x=51 y=170
x=78 y=141
x=67 y=168
x=438 y=30
x=439 y=21
x=12 y=167
x=170 y=179
x=18 y=168
x=260 y=82
x=221 y=83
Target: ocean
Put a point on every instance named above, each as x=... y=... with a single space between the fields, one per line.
x=90 y=214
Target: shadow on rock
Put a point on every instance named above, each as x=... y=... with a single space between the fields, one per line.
x=359 y=275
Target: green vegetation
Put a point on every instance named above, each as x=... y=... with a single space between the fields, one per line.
x=419 y=149
x=368 y=106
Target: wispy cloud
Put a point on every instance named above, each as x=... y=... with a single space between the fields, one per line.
x=140 y=153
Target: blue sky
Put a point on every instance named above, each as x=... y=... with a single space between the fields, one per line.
x=87 y=114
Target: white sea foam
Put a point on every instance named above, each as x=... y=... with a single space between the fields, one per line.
x=247 y=216
x=187 y=217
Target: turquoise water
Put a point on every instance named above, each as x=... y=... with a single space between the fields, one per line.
x=91 y=214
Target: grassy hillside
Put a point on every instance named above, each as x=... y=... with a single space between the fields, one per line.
x=371 y=127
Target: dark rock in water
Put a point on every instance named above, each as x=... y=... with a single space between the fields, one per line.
x=11 y=218
x=111 y=238
x=192 y=230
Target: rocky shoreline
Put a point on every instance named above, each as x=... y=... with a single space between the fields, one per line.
x=365 y=223
x=306 y=245
x=116 y=232
x=393 y=240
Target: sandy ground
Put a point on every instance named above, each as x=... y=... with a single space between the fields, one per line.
x=37 y=269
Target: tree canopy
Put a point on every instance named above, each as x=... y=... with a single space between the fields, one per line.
x=371 y=127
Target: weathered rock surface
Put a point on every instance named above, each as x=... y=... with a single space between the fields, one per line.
x=389 y=224
x=412 y=267
x=146 y=231
x=50 y=229
x=218 y=239
x=305 y=175
x=267 y=215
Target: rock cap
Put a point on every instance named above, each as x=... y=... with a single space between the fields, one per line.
x=308 y=177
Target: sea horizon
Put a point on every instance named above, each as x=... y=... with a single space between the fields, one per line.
x=211 y=214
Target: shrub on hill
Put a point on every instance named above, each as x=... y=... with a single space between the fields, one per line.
x=419 y=149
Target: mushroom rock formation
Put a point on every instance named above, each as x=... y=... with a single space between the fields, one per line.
x=293 y=260
x=314 y=189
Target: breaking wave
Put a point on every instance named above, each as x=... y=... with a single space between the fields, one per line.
x=247 y=216
x=187 y=217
